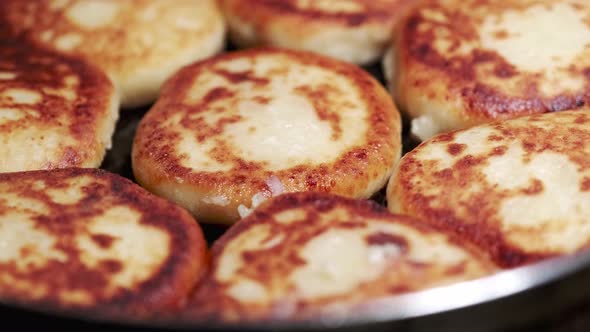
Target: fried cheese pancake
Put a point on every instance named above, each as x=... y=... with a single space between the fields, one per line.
x=139 y=43
x=352 y=30
x=459 y=63
x=91 y=243
x=310 y=255
x=231 y=131
x=55 y=111
x=519 y=189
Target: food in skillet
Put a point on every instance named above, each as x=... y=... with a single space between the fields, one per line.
x=311 y=255
x=92 y=244
x=458 y=63
x=55 y=111
x=519 y=189
x=231 y=131
x=139 y=43
x=353 y=30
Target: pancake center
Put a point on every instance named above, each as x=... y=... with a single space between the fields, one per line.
x=559 y=28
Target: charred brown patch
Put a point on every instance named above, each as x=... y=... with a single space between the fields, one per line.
x=241 y=77
x=536 y=187
x=103 y=240
x=455 y=149
x=381 y=239
x=323 y=98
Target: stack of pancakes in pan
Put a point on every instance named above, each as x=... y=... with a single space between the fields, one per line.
x=286 y=142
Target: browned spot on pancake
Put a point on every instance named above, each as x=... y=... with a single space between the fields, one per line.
x=103 y=240
x=111 y=266
x=380 y=239
x=262 y=100
x=455 y=148
x=585 y=185
x=216 y=94
x=499 y=150
x=241 y=76
x=324 y=97
x=536 y=187
x=169 y=282
x=501 y=34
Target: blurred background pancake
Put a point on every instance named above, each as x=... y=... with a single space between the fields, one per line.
x=311 y=255
x=352 y=30
x=139 y=43
x=231 y=131
x=520 y=189
x=459 y=63
x=93 y=244
x=55 y=111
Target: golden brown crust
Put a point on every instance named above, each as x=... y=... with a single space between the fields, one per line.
x=70 y=276
x=359 y=171
x=139 y=43
x=271 y=249
x=60 y=111
x=456 y=58
x=518 y=189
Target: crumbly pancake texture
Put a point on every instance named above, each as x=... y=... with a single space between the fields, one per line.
x=139 y=43
x=352 y=30
x=459 y=63
x=231 y=131
x=311 y=255
x=519 y=189
x=91 y=243
x=55 y=111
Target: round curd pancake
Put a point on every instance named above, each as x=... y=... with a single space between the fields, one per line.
x=310 y=255
x=55 y=111
x=519 y=189
x=139 y=43
x=90 y=243
x=458 y=63
x=352 y=30
x=236 y=129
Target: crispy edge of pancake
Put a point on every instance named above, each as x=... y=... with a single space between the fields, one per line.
x=94 y=113
x=203 y=305
x=167 y=290
x=158 y=169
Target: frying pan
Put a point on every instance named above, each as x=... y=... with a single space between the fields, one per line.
x=553 y=295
